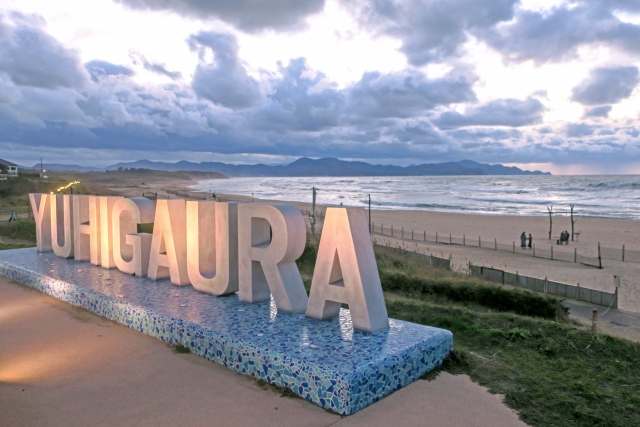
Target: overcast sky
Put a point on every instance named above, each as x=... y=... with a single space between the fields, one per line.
x=550 y=85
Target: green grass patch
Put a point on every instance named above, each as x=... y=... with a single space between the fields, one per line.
x=21 y=186
x=490 y=296
x=180 y=349
x=553 y=374
x=23 y=229
x=5 y=246
x=282 y=391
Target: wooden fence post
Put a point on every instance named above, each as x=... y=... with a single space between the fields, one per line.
x=495 y=242
x=436 y=237
x=599 y=257
x=425 y=236
x=464 y=240
x=622 y=253
x=450 y=241
x=594 y=321
x=552 y=252
x=514 y=247
x=411 y=234
x=479 y=242
x=575 y=255
x=392 y=231
x=534 y=250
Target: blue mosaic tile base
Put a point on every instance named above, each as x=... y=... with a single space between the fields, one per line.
x=325 y=362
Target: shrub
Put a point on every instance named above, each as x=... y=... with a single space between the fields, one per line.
x=494 y=297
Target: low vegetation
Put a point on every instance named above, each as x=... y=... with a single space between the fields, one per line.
x=553 y=373
x=22 y=229
x=14 y=192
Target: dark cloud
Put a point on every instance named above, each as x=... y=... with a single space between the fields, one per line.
x=602 y=111
x=556 y=34
x=154 y=67
x=606 y=86
x=502 y=112
x=224 y=82
x=406 y=94
x=100 y=69
x=33 y=58
x=578 y=130
x=247 y=15
x=430 y=30
x=298 y=101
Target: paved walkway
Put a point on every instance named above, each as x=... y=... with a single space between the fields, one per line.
x=63 y=366
x=619 y=323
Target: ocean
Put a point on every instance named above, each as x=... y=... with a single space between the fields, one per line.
x=611 y=196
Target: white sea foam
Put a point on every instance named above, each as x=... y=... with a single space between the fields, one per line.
x=615 y=196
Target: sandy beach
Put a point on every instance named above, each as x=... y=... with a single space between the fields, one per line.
x=507 y=229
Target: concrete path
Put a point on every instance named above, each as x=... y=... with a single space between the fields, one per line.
x=620 y=323
x=63 y=366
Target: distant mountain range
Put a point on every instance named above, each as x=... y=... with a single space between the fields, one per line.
x=321 y=167
x=59 y=167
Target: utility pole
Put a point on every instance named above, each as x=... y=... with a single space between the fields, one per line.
x=572 y=222
x=313 y=203
x=369 y=213
x=313 y=210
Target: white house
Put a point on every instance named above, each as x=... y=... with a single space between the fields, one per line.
x=12 y=168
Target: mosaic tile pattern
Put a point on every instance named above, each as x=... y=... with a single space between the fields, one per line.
x=325 y=362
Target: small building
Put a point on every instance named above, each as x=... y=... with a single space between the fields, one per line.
x=12 y=168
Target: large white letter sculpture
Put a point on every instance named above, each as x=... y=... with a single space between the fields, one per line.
x=346 y=272
x=169 y=245
x=40 y=206
x=105 y=206
x=212 y=261
x=86 y=229
x=62 y=225
x=270 y=239
x=130 y=248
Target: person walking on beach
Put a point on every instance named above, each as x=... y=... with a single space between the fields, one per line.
x=530 y=240
x=523 y=240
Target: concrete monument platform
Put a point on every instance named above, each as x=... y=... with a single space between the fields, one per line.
x=325 y=362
